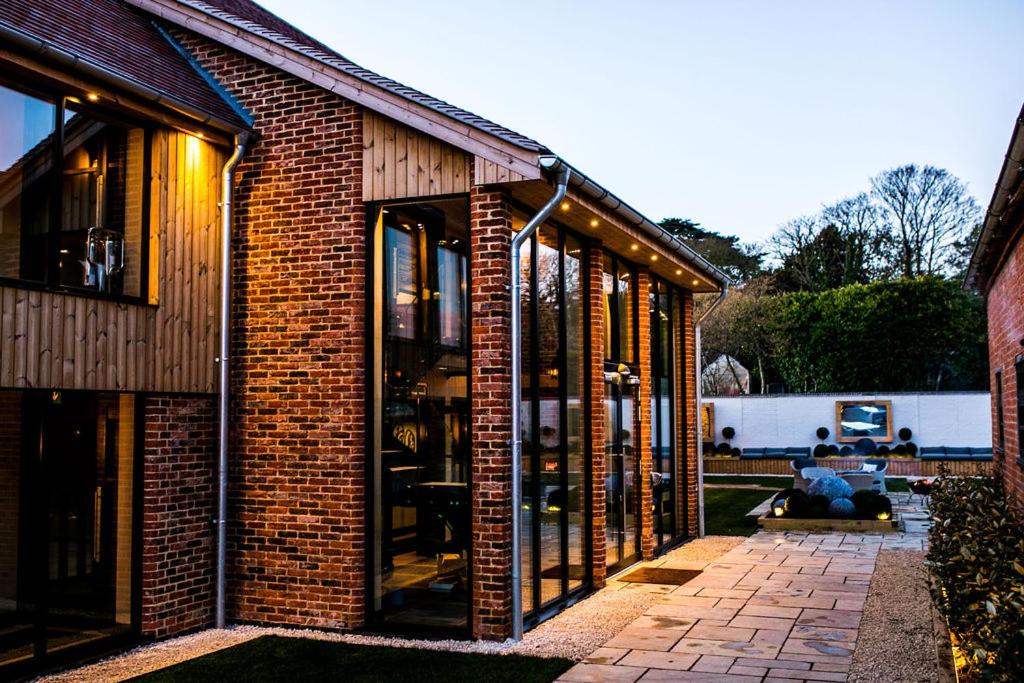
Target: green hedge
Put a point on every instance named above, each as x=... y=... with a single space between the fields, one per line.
x=977 y=556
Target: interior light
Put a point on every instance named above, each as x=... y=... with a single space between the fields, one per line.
x=74 y=99
x=593 y=223
x=92 y=97
x=200 y=135
x=634 y=247
x=566 y=206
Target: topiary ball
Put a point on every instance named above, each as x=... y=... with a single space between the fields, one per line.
x=881 y=508
x=736 y=452
x=821 y=451
x=883 y=450
x=841 y=507
x=911 y=448
x=830 y=487
x=833 y=449
x=728 y=432
x=822 y=433
x=864 y=502
x=724 y=449
x=845 y=450
x=899 y=449
x=905 y=433
x=818 y=506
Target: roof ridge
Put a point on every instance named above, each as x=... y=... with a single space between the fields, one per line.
x=314 y=49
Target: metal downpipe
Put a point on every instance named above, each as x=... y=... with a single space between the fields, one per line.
x=700 y=396
x=562 y=183
x=227 y=190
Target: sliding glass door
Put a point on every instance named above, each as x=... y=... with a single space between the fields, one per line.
x=555 y=556
x=419 y=469
x=67 y=548
x=621 y=378
x=664 y=483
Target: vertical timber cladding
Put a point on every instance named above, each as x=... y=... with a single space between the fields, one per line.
x=58 y=340
x=399 y=162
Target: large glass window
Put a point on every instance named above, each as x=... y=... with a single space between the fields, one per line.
x=555 y=464
x=67 y=472
x=663 y=455
x=420 y=464
x=77 y=223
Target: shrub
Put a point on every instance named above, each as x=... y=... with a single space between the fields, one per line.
x=905 y=433
x=728 y=432
x=830 y=487
x=841 y=507
x=821 y=451
x=822 y=433
x=864 y=502
x=724 y=449
x=818 y=506
x=833 y=449
x=977 y=557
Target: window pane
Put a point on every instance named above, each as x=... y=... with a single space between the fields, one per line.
x=625 y=306
x=575 y=374
x=100 y=241
x=549 y=356
x=526 y=428
x=26 y=166
x=608 y=300
x=401 y=264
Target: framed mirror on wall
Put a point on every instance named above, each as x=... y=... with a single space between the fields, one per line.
x=856 y=420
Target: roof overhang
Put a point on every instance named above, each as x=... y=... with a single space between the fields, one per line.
x=301 y=63
x=998 y=230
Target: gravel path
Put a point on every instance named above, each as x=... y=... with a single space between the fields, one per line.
x=574 y=633
x=896 y=641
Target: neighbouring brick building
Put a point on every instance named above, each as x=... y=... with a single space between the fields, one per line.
x=370 y=453
x=997 y=271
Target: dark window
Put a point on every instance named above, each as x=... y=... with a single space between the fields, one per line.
x=72 y=195
x=420 y=466
x=555 y=480
x=1020 y=409
x=1000 y=427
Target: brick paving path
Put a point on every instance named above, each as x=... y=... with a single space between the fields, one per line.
x=778 y=607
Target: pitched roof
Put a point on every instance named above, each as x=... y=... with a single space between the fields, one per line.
x=252 y=17
x=123 y=40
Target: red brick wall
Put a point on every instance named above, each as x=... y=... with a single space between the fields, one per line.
x=296 y=549
x=642 y=426
x=595 y=298
x=690 y=422
x=1005 y=337
x=178 y=552
x=10 y=489
x=490 y=241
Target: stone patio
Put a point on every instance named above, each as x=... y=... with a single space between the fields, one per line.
x=778 y=607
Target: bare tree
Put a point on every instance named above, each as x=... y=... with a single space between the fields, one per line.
x=925 y=211
x=791 y=246
x=858 y=221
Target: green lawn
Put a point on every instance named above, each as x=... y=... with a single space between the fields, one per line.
x=290 y=660
x=725 y=511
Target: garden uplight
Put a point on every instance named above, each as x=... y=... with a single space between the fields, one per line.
x=779 y=507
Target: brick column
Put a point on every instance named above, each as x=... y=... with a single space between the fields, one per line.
x=10 y=489
x=595 y=303
x=491 y=343
x=178 y=545
x=688 y=429
x=642 y=424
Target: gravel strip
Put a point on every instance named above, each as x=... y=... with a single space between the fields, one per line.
x=574 y=633
x=896 y=640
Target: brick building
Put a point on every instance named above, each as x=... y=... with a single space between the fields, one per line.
x=370 y=473
x=997 y=271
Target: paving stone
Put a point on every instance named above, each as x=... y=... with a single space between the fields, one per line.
x=659 y=660
x=817 y=647
x=806 y=675
x=727 y=648
x=777 y=663
x=780 y=601
x=702 y=630
x=732 y=603
x=602 y=673
x=689 y=612
x=694 y=600
x=828 y=666
x=715 y=664
x=748 y=670
x=847 y=635
x=744 y=621
x=850 y=605
x=671 y=623
x=645 y=638
x=829 y=617
x=606 y=655
x=742 y=593
x=793 y=591
x=770 y=611
x=664 y=675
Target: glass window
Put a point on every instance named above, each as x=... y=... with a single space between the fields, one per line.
x=421 y=460
x=79 y=223
x=26 y=183
x=549 y=356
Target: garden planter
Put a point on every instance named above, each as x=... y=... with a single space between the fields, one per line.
x=865 y=526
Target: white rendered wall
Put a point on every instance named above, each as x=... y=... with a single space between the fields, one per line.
x=937 y=419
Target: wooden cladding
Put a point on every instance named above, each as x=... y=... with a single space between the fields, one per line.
x=488 y=173
x=59 y=340
x=400 y=162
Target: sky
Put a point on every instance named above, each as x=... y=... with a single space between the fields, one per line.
x=738 y=115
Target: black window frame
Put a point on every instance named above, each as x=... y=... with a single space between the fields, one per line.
x=997 y=381
x=1019 y=378
x=51 y=280
x=541 y=610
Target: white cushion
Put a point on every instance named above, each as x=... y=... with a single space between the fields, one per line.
x=869 y=468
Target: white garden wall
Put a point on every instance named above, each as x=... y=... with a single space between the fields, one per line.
x=937 y=419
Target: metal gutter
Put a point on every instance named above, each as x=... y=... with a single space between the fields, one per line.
x=223 y=402
x=1007 y=189
x=631 y=216
x=699 y=392
x=48 y=51
x=561 y=185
